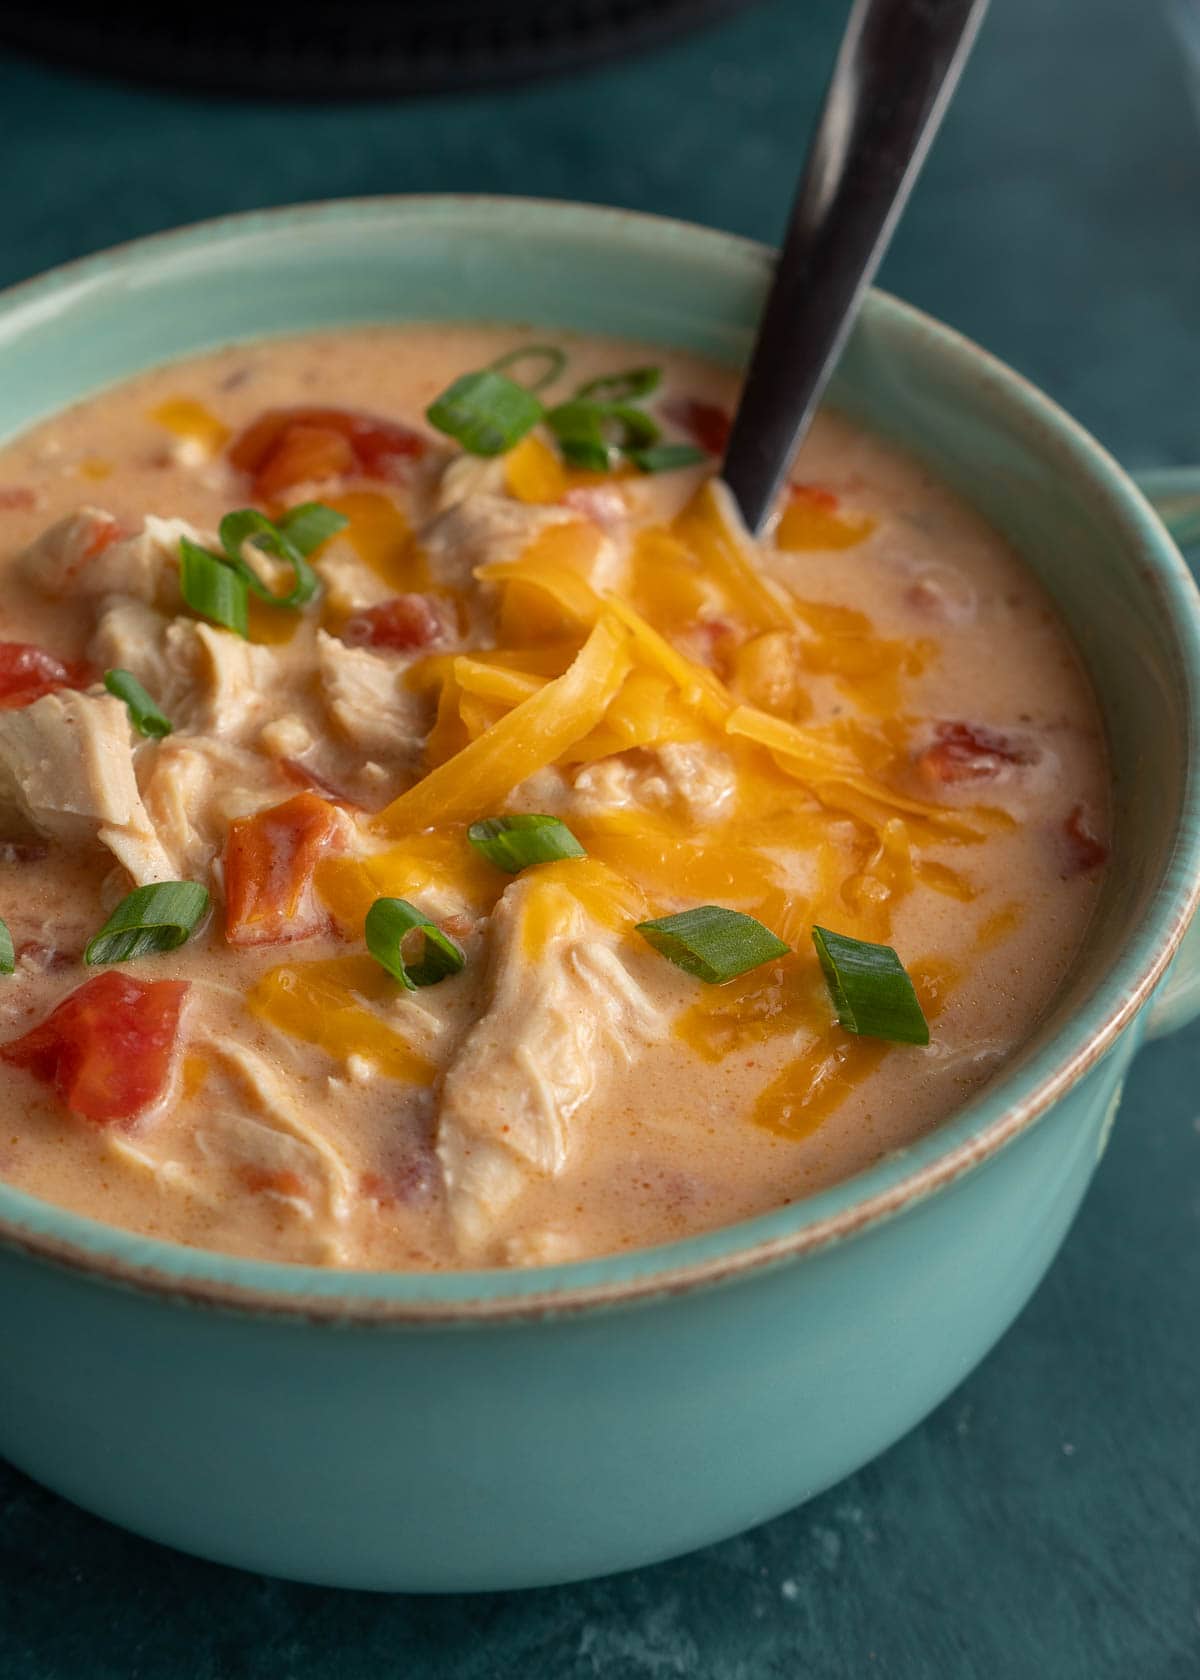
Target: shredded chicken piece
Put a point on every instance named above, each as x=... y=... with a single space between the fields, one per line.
x=549 y=1036
x=351 y=585
x=66 y=771
x=468 y=476
x=55 y=558
x=195 y=789
x=366 y=698
x=699 y=778
x=546 y=790
x=166 y=1174
x=282 y=1112
x=487 y=528
x=221 y=684
x=208 y=681
x=129 y=637
x=78 y=556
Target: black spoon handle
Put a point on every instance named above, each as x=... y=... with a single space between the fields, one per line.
x=897 y=67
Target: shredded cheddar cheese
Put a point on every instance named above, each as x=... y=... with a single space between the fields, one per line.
x=533 y=472
x=534 y=734
x=329 y=1004
x=379 y=534
x=812 y=521
x=709 y=526
x=192 y=422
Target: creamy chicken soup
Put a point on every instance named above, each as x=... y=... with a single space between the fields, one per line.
x=379 y=1023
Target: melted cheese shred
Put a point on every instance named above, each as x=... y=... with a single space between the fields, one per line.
x=536 y=732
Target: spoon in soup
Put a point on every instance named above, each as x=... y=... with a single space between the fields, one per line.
x=897 y=67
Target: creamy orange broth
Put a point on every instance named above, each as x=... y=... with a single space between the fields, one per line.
x=875 y=723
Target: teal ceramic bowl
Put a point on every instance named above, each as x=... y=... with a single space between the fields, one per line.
x=508 y=1429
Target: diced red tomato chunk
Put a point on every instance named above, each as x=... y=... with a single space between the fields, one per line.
x=270 y=860
x=14 y=496
x=107 y=1049
x=968 y=752
x=1085 y=849
x=288 y=446
x=406 y=621
x=27 y=672
x=705 y=423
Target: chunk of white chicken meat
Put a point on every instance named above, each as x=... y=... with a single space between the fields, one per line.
x=196 y=788
x=692 y=776
x=367 y=700
x=554 y=1028
x=486 y=528
x=67 y=773
x=350 y=585
x=83 y=555
x=252 y=1128
x=467 y=476
x=129 y=637
x=208 y=681
x=283 y=1137
x=218 y=682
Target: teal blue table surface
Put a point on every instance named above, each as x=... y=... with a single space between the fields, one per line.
x=1045 y=1522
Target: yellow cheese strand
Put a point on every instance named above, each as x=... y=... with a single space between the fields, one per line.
x=809 y=522
x=697 y=684
x=494 y=682
x=710 y=527
x=441 y=861
x=553 y=890
x=533 y=472
x=322 y=1003
x=477 y=780
x=379 y=534
x=555 y=567
x=191 y=421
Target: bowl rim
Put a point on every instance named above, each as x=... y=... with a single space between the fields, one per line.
x=971 y=1135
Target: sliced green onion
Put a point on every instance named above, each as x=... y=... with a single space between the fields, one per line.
x=629 y=386
x=159 y=917
x=590 y=433
x=218 y=587
x=666 y=457
x=247 y=525
x=554 y=359
x=485 y=412
x=8 y=957
x=388 y=924
x=310 y=524
x=578 y=430
x=212 y=588
x=870 y=988
x=635 y=428
x=515 y=843
x=145 y=715
x=713 y=943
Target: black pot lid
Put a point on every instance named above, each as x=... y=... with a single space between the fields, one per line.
x=318 y=49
